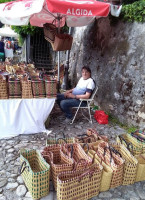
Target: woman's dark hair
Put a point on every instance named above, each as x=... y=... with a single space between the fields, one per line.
x=87 y=68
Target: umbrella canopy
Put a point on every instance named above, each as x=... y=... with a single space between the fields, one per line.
x=38 y=12
x=8 y=32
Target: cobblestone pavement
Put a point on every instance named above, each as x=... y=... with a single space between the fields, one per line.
x=11 y=184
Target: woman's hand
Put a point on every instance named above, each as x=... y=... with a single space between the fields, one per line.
x=70 y=95
x=67 y=93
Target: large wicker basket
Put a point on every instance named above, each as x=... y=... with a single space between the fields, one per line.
x=80 y=185
x=14 y=86
x=130 y=165
x=51 y=88
x=38 y=88
x=3 y=88
x=35 y=172
x=26 y=89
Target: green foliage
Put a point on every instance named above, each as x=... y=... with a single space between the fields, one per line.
x=114 y=121
x=128 y=1
x=25 y=30
x=4 y=1
x=134 y=12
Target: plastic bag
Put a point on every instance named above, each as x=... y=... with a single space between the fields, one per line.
x=101 y=117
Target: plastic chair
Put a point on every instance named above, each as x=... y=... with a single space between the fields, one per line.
x=88 y=106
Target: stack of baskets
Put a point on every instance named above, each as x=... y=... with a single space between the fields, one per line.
x=80 y=173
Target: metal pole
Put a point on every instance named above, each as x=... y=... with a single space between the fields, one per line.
x=58 y=67
x=65 y=85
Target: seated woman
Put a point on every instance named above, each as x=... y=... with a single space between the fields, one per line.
x=70 y=98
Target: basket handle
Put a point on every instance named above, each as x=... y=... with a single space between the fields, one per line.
x=80 y=161
x=89 y=171
x=115 y=151
x=99 y=155
x=86 y=144
x=62 y=134
x=89 y=136
x=71 y=149
x=22 y=165
x=138 y=137
x=111 y=156
x=61 y=139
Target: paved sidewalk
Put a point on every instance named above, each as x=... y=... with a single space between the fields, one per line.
x=11 y=184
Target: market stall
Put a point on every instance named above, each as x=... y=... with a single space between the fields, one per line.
x=27 y=96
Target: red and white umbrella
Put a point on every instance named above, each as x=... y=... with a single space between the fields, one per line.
x=38 y=12
x=75 y=13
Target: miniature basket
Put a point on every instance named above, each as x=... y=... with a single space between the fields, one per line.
x=80 y=185
x=38 y=88
x=3 y=88
x=51 y=88
x=35 y=172
x=14 y=86
x=130 y=165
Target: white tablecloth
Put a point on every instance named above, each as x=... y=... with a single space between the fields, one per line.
x=24 y=116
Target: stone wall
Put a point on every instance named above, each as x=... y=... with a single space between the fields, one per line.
x=115 y=54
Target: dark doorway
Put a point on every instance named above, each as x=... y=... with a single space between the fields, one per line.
x=40 y=52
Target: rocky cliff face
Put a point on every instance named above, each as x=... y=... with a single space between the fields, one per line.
x=116 y=56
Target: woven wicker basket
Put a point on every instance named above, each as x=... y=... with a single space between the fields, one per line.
x=79 y=185
x=49 y=31
x=3 y=88
x=130 y=165
x=26 y=89
x=135 y=146
x=15 y=90
x=67 y=140
x=76 y=152
x=107 y=171
x=114 y=161
x=51 y=88
x=35 y=172
x=38 y=88
x=58 y=160
x=140 y=176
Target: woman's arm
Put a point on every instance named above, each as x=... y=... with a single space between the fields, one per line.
x=83 y=96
